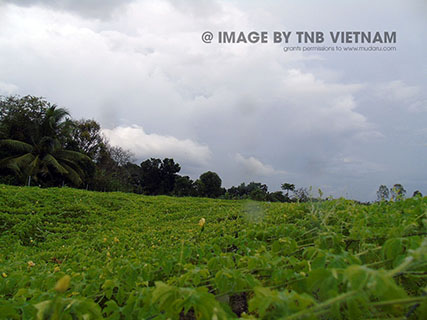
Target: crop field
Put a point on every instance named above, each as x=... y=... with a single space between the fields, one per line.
x=74 y=254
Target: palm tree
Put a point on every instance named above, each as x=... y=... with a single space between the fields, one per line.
x=44 y=159
x=288 y=187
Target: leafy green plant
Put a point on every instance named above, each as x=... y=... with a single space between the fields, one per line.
x=127 y=256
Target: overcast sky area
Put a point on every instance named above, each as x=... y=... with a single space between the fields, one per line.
x=344 y=122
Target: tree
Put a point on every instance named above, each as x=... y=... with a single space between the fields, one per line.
x=86 y=137
x=209 y=185
x=257 y=191
x=20 y=118
x=113 y=171
x=277 y=196
x=383 y=193
x=119 y=155
x=417 y=193
x=239 y=192
x=184 y=187
x=288 y=187
x=37 y=152
x=301 y=195
x=398 y=192
x=132 y=175
x=157 y=176
x=253 y=190
x=169 y=170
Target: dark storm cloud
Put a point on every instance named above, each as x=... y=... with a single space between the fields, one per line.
x=343 y=122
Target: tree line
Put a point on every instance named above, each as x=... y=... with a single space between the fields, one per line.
x=395 y=193
x=40 y=144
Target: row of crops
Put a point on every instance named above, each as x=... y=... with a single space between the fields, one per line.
x=72 y=254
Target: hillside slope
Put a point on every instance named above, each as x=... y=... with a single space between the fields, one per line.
x=81 y=254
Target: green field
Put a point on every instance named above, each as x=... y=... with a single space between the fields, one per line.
x=73 y=254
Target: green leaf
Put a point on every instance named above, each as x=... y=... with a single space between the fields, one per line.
x=393 y=248
x=323 y=282
x=108 y=288
x=43 y=309
x=383 y=287
x=112 y=310
x=16 y=145
x=263 y=299
x=357 y=277
x=52 y=162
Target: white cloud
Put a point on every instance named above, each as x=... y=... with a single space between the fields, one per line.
x=321 y=106
x=145 y=145
x=255 y=167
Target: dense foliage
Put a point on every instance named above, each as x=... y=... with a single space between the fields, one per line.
x=32 y=139
x=73 y=254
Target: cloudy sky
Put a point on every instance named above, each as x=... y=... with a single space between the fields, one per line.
x=344 y=122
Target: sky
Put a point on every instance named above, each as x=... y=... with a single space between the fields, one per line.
x=344 y=122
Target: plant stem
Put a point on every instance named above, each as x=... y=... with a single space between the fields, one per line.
x=397 y=301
